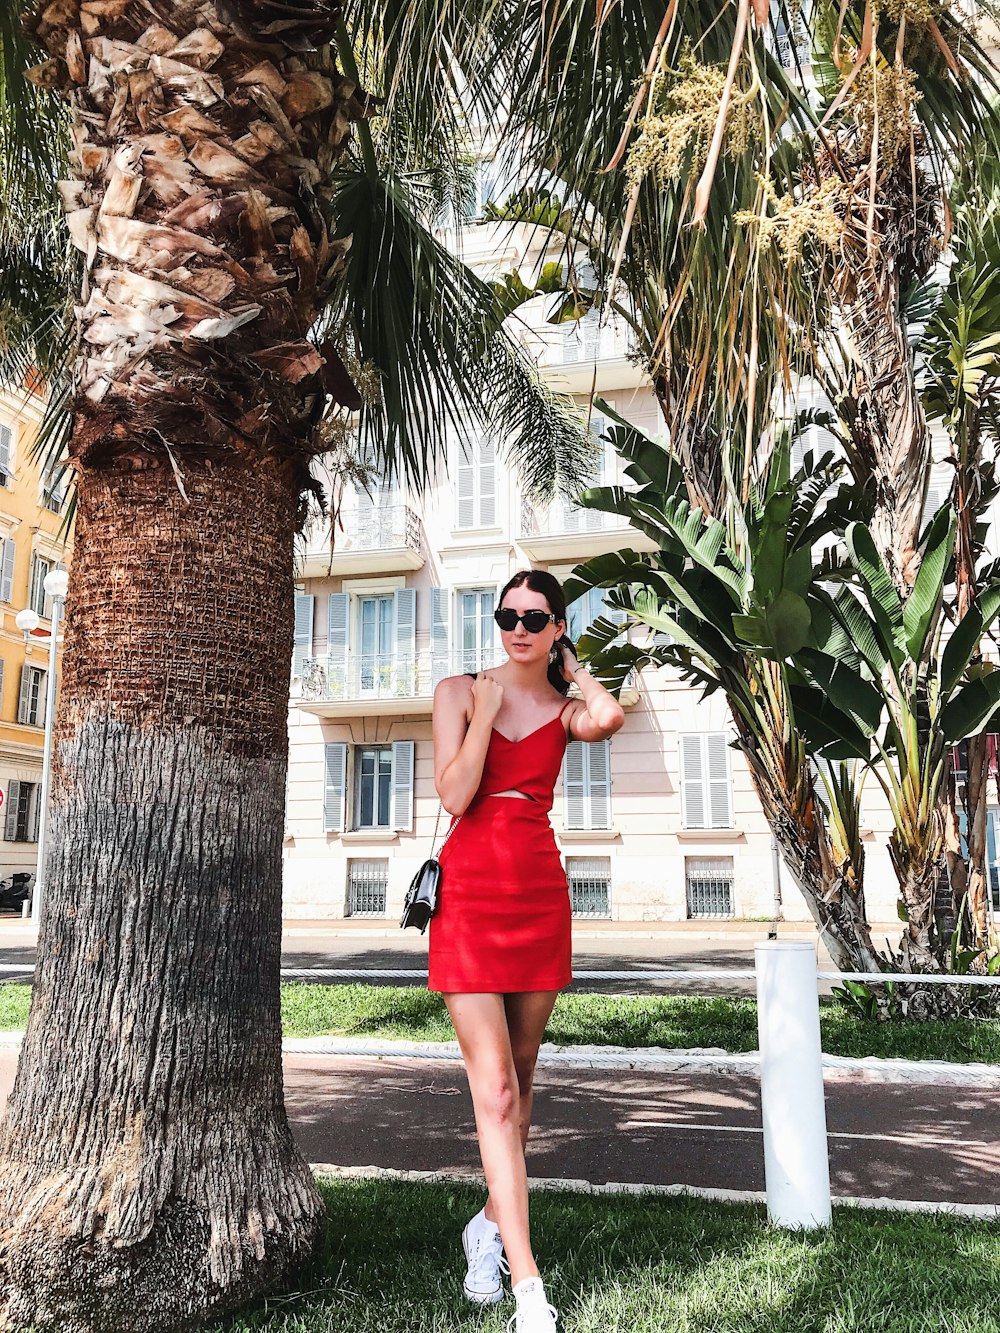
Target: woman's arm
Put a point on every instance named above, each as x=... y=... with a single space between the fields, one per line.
x=602 y=714
x=461 y=741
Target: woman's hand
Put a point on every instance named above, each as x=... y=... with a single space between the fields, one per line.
x=487 y=697
x=568 y=663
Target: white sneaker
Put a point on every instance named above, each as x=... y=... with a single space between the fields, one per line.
x=534 y=1314
x=484 y=1251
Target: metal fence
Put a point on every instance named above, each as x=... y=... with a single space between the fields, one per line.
x=589 y=886
x=709 y=887
x=367 y=886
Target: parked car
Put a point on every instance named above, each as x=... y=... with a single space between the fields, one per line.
x=15 y=890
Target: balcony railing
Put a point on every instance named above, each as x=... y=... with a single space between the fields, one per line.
x=389 y=675
x=377 y=528
x=563 y=518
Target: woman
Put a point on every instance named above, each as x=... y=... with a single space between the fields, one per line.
x=500 y=947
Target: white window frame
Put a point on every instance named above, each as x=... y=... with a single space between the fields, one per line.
x=485 y=506
x=706 y=781
x=37 y=689
x=357 y=749
x=458 y=653
x=38 y=599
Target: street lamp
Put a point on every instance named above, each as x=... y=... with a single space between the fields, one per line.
x=55 y=584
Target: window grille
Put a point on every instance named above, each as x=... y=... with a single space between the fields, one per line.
x=709 y=887
x=367 y=884
x=589 y=885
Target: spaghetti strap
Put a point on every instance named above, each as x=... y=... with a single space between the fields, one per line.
x=564 y=707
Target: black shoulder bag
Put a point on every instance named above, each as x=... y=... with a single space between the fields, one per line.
x=421 y=899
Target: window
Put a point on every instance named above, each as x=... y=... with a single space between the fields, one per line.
x=476 y=627
x=589 y=885
x=367 y=885
x=7 y=570
x=706 y=786
x=709 y=887
x=477 y=501
x=582 y=613
x=54 y=486
x=373 y=789
x=486 y=189
x=575 y=518
x=6 y=449
x=31 y=697
x=39 y=601
x=21 y=819
x=376 y=622
x=587 y=785
x=581 y=338
x=382 y=794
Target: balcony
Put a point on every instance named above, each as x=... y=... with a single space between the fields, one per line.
x=391 y=685
x=564 y=531
x=376 y=540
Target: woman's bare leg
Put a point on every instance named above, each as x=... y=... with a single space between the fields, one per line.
x=481 y=1027
x=527 y=1014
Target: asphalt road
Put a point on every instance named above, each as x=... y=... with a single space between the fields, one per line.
x=894 y=1141
x=596 y=948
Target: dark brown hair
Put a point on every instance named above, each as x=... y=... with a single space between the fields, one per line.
x=540 y=580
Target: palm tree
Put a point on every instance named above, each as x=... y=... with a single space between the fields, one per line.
x=757 y=223
x=239 y=251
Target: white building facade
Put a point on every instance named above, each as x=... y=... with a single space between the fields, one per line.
x=660 y=823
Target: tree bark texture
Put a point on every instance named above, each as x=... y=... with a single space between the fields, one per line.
x=148 y=1174
x=148 y=1180
x=786 y=788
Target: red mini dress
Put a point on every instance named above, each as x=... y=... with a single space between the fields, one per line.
x=503 y=921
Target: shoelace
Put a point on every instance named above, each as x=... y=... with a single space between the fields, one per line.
x=512 y=1321
x=488 y=1256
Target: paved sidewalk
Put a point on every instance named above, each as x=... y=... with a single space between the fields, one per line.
x=920 y=1143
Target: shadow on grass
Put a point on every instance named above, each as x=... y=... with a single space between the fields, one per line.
x=390 y=1262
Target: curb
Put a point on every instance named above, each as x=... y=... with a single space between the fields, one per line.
x=705 y=1060
x=539 y=1184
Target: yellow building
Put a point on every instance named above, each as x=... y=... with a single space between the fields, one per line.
x=30 y=546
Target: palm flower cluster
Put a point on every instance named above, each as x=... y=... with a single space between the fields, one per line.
x=882 y=100
x=676 y=134
x=818 y=215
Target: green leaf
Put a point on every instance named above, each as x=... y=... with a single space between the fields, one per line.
x=965 y=640
x=971 y=708
x=848 y=690
x=925 y=597
x=886 y=607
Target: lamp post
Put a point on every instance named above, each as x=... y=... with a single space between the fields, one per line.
x=55 y=585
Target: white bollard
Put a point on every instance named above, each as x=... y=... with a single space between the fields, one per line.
x=796 y=1157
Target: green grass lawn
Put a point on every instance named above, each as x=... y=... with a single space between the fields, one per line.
x=390 y=1261
x=601 y=1020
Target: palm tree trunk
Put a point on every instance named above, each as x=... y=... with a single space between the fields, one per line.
x=149 y=1176
x=149 y=1181
x=890 y=454
x=783 y=779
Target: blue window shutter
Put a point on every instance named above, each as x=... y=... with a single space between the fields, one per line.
x=439 y=634
x=337 y=613
x=404 y=666
x=599 y=762
x=7 y=570
x=574 y=787
x=335 y=786
x=304 y=603
x=402 y=785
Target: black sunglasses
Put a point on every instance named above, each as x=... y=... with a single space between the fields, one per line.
x=533 y=621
